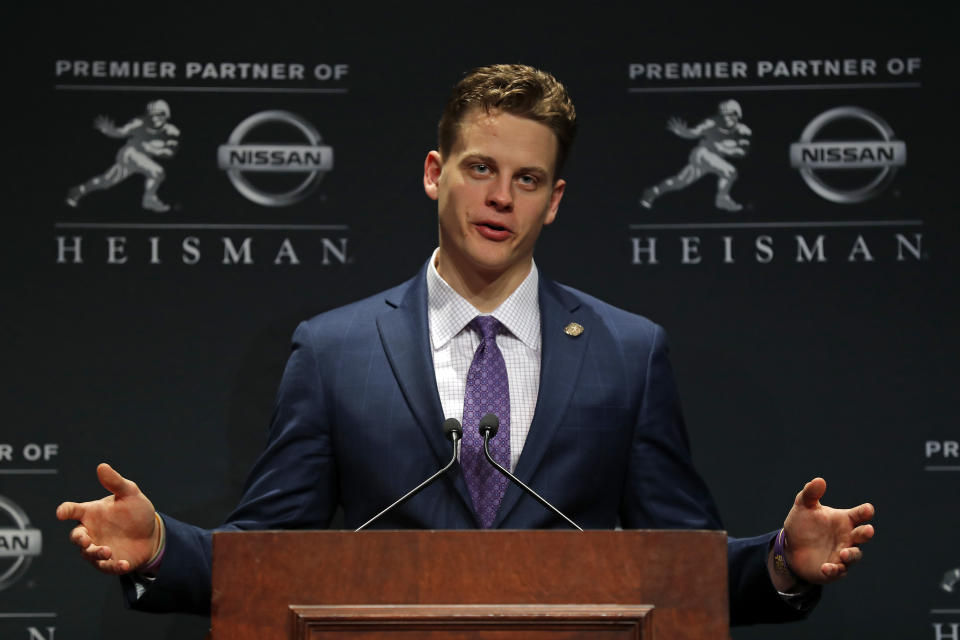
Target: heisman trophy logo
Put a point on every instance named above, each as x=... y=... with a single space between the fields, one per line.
x=147 y=137
x=951 y=581
x=720 y=138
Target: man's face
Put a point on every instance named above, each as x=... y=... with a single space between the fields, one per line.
x=494 y=192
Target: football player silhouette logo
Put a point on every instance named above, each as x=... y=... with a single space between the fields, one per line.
x=148 y=137
x=951 y=581
x=720 y=137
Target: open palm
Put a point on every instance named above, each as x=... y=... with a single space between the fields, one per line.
x=117 y=533
x=822 y=542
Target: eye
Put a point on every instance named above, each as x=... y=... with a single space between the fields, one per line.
x=528 y=180
x=480 y=168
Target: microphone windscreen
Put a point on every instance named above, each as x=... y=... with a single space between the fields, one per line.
x=489 y=423
x=452 y=425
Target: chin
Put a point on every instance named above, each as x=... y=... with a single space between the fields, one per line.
x=494 y=266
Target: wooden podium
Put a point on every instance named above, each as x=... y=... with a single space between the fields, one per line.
x=464 y=585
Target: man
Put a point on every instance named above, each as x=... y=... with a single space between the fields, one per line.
x=147 y=137
x=589 y=413
x=721 y=137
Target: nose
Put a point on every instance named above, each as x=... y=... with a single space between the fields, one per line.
x=500 y=195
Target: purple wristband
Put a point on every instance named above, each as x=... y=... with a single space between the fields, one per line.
x=780 y=555
x=153 y=566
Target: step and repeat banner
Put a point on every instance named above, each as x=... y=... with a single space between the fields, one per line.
x=778 y=189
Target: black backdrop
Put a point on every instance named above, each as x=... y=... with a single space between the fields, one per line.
x=791 y=363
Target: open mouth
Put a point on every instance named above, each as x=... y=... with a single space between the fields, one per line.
x=493 y=231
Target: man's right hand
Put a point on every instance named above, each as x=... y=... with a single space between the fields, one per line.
x=117 y=533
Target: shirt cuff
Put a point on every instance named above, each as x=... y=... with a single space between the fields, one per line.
x=802 y=598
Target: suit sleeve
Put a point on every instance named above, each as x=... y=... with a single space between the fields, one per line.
x=293 y=485
x=665 y=491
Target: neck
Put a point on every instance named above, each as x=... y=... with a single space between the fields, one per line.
x=484 y=290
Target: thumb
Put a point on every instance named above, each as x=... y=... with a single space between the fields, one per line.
x=811 y=493
x=114 y=482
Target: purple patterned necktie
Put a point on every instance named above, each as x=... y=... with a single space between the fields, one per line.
x=487 y=392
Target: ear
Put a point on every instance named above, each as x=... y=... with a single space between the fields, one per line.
x=558 y=188
x=432 y=167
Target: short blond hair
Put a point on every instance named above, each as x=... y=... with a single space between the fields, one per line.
x=516 y=89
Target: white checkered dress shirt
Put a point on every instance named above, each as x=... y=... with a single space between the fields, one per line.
x=454 y=343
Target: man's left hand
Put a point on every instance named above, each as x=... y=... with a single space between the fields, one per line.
x=822 y=542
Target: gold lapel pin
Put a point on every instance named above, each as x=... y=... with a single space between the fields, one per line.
x=573 y=329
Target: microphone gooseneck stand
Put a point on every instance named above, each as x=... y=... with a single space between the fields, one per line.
x=454 y=432
x=489 y=424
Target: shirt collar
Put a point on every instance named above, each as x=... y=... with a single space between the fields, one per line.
x=449 y=312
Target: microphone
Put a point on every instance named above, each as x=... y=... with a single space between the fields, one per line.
x=454 y=432
x=489 y=425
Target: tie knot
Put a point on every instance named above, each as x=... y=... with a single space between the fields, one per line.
x=488 y=326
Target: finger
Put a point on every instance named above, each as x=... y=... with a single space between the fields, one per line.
x=106 y=566
x=863 y=513
x=851 y=555
x=116 y=568
x=114 y=482
x=811 y=493
x=95 y=553
x=862 y=533
x=70 y=511
x=833 y=571
x=80 y=537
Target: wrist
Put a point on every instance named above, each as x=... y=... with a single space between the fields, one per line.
x=783 y=577
x=160 y=545
x=780 y=564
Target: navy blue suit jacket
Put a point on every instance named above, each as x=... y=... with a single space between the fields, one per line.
x=358 y=418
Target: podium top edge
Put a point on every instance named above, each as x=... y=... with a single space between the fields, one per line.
x=371 y=532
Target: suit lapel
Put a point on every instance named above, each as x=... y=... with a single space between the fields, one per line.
x=560 y=363
x=405 y=333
